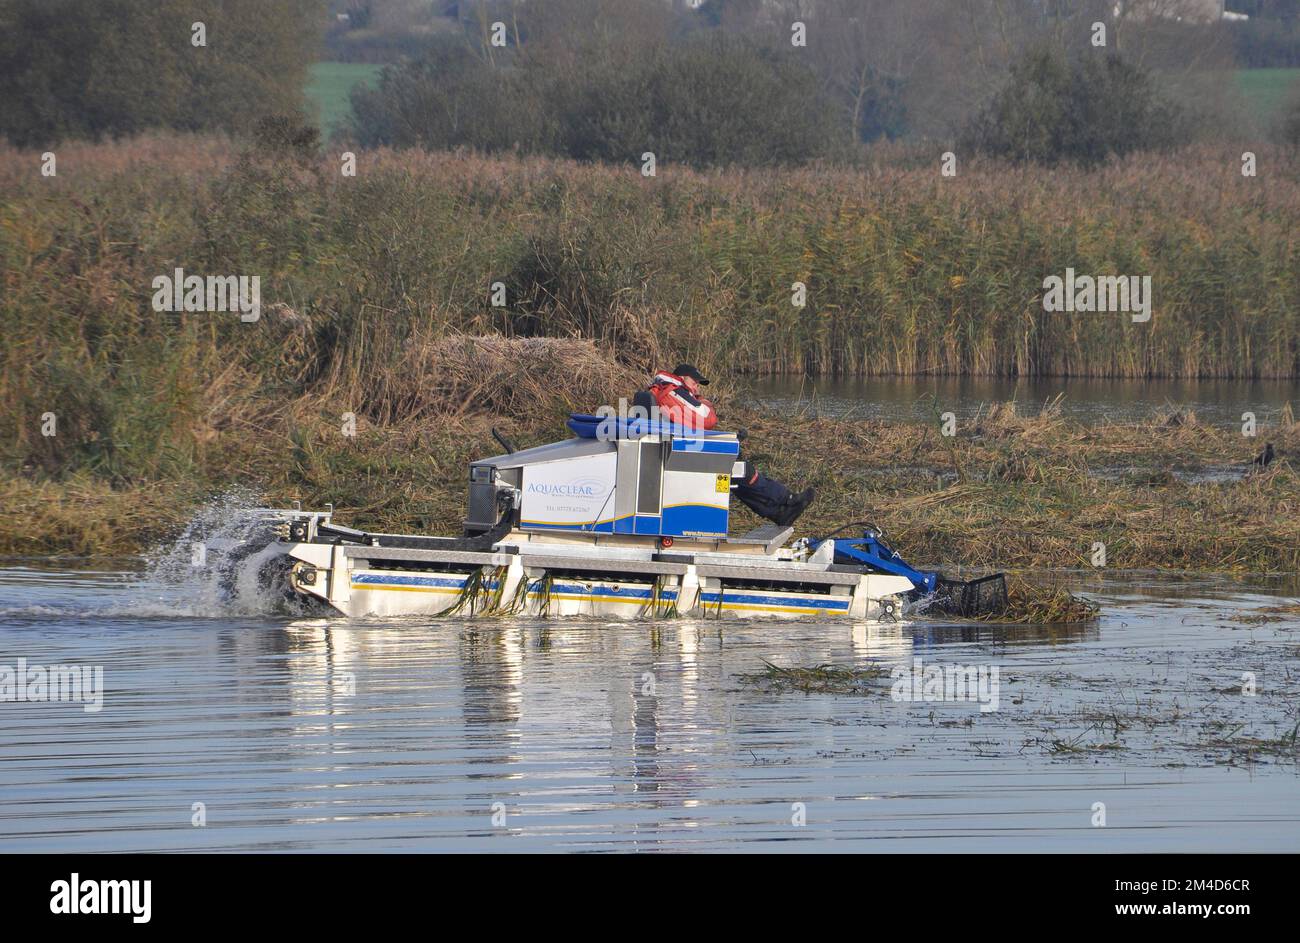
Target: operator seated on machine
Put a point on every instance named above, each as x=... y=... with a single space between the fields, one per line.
x=677 y=397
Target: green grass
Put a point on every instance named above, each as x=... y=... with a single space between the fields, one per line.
x=330 y=85
x=1266 y=89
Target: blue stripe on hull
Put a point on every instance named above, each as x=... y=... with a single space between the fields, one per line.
x=623 y=592
x=828 y=603
x=395 y=579
x=612 y=592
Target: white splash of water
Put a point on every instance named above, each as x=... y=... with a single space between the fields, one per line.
x=917 y=607
x=214 y=567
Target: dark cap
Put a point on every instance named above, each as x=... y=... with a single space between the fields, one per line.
x=688 y=370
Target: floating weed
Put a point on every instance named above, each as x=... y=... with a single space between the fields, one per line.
x=662 y=605
x=1052 y=607
x=483 y=593
x=1257 y=618
x=473 y=594
x=541 y=588
x=519 y=600
x=818 y=679
x=1252 y=749
x=1290 y=609
x=1032 y=604
x=1057 y=746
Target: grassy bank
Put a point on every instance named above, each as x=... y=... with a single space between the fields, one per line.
x=1011 y=491
x=1006 y=491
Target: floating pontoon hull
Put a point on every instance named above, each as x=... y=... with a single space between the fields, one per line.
x=534 y=577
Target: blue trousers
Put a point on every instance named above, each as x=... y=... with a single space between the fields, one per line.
x=762 y=495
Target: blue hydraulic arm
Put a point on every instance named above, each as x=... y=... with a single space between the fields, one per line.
x=870 y=550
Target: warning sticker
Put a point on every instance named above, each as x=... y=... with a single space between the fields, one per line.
x=724 y=483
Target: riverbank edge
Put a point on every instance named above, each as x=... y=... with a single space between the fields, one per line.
x=1005 y=491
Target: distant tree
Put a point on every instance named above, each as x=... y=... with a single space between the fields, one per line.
x=90 y=68
x=712 y=101
x=705 y=100
x=360 y=14
x=1267 y=9
x=450 y=97
x=867 y=52
x=1266 y=42
x=1053 y=110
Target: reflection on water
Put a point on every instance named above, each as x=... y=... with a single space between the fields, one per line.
x=1086 y=400
x=528 y=735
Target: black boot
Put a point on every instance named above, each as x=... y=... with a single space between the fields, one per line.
x=762 y=495
x=795 y=506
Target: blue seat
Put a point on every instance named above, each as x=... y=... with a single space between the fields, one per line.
x=586 y=426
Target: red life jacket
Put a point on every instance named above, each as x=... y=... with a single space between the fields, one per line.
x=677 y=404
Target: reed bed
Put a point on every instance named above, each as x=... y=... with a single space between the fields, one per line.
x=907 y=272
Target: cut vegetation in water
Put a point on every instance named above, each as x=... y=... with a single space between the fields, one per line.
x=1122 y=693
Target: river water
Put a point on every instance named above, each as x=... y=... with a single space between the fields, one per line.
x=1086 y=400
x=226 y=731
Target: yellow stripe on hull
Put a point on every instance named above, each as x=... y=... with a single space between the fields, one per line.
x=584 y=597
x=799 y=610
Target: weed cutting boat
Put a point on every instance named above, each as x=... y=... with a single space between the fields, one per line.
x=628 y=518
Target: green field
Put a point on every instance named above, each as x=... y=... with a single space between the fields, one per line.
x=329 y=86
x=1266 y=89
